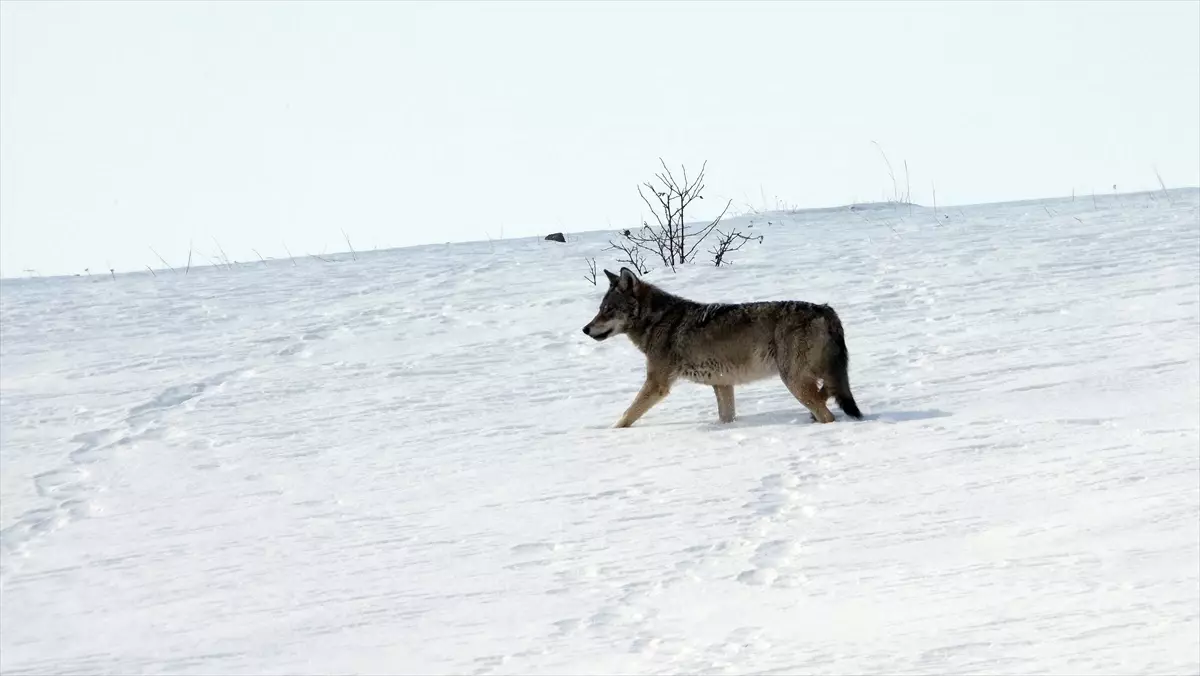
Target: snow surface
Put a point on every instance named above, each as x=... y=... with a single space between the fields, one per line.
x=404 y=463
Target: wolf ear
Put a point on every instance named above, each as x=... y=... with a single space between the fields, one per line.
x=612 y=279
x=627 y=280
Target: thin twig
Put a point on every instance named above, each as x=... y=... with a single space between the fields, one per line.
x=709 y=228
x=1163 y=185
x=164 y=261
x=863 y=216
x=633 y=256
x=935 y=216
x=224 y=257
x=907 y=189
x=891 y=174
x=669 y=239
x=725 y=245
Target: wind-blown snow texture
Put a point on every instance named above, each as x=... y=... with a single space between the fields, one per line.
x=403 y=464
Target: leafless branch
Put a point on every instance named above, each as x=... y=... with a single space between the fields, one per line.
x=591 y=275
x=669 y=239
x=707 y=229
x=633 y=256
x=650 y=240
x=727 y=243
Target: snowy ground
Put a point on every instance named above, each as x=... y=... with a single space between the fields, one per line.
x=403 y=464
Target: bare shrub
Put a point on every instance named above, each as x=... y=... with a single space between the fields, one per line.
x=669 y=238
x=631 y=254
x=727 y=243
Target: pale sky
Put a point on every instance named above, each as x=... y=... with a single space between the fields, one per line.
x=125 y=126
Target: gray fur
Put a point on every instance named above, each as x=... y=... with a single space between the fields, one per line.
x=723 y=345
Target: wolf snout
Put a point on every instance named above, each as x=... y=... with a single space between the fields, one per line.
x=596 y=334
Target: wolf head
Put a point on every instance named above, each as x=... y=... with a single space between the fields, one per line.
x=618 y=307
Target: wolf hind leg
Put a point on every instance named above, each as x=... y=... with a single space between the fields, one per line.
x=805 y=389
x=725 y=408
x=653 y=391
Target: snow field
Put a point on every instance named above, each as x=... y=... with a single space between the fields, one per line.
x=404 y=464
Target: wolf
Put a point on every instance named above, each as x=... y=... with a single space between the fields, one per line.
x=724 y=345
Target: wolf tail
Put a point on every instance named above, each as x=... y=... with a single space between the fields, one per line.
x=837 y=365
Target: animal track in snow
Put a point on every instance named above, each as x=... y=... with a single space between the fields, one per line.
x=301 y=346
x=776 y=496
x=774 y=564
x=70 y=488
x=535 y=548
x=778 y=500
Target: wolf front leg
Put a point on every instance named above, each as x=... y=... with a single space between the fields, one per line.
x=653 y=391
x=725 y=411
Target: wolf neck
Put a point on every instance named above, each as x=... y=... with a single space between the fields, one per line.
x=655 y=308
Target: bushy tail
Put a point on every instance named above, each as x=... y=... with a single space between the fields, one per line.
x=837 y=365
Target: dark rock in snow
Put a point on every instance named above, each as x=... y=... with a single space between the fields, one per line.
x=556 y=237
